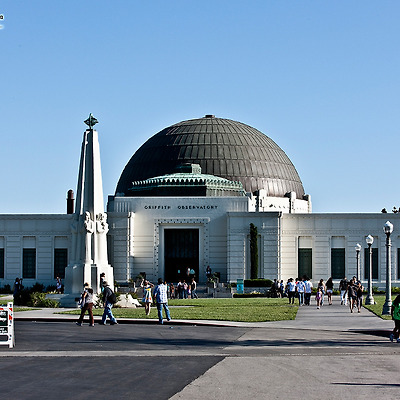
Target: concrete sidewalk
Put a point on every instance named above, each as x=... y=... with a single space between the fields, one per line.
x=335 y=317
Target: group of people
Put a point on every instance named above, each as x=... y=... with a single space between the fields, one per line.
x=300 y=288
x=108 y=298
x=160 y=294
x=183 y=290
x=351 y=292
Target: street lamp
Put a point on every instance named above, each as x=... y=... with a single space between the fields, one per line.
x=358 y=249
x=370 y=299
x=388 y=229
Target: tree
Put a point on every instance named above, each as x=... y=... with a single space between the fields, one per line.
x=253 y=252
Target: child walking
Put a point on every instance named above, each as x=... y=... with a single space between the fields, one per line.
x=318 y=297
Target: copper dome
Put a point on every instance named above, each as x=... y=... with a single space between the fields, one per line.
x=225 y=148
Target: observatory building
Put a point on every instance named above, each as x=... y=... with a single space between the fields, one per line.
x=186 y=199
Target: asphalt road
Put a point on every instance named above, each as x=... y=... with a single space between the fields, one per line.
x=270 y=361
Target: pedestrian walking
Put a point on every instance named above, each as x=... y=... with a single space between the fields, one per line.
x=109 y=299
x=193 y=288
x=300 y=287
x=58 y=285
x=291 y=289
x=171 y=291
x=307 y=290
x=160 y=294
x=86 y=305
x=329 y=290
x=321 y=285
x=179 y=288
x=395 y=311
x=17 y=289
x=282 y=289
x=360 y=290
x=185 y=289
x=318 y=297
x=343 y=291
x=352 y=294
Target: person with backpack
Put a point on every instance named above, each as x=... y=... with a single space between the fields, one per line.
x=109 y=299
x=395 y=311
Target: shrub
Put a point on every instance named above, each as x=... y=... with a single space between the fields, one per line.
x=257 y=283
x=39 y=300
x=24 y=297
x=6 y=289
x=51 y=288
x=37 y=288
x=376 y=290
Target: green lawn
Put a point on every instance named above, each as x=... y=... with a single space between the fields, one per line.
x=377 y=308
x=243 y=310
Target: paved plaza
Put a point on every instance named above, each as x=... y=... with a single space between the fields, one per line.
x=326 y=353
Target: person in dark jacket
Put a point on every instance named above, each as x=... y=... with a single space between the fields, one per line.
x=107 y=295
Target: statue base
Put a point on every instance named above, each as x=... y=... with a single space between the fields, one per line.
x=76 y=275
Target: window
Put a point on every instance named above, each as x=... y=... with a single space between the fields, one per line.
x=338 y=263
x=305 y=263
x=375 y=267
x=29 y=264
x=1 y=263
x=60 y=262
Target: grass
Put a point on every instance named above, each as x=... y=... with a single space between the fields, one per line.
x=377 y=308
x=241 y=310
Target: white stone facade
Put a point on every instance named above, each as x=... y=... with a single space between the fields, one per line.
x=42 y=232
x=136 y=244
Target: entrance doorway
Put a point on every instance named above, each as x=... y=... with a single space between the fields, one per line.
x=181 y=251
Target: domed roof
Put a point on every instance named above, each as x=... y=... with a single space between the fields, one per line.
x=225 y=148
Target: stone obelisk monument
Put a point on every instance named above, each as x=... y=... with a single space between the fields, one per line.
x=88 y=256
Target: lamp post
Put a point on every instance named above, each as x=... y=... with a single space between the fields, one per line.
x=358 y=249
x=388 y=229
x=370 y=298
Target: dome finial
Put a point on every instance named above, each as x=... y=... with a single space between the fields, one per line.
x=91 y=121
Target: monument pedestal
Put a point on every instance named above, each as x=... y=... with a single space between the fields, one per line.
x=77 y=275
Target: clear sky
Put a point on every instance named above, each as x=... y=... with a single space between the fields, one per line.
x=321 y=78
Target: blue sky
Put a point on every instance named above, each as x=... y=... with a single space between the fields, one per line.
x=320 y=78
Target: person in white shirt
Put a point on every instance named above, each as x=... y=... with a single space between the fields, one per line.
x=291 y=288
x=300 y=290
x=307 y=289
x=160 y=294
